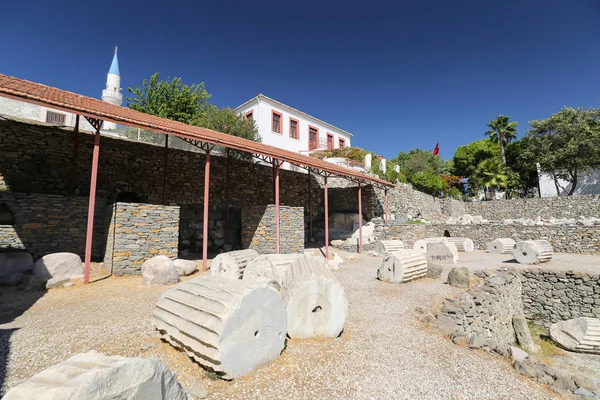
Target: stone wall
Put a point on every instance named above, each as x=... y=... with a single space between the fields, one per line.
x=46 y=224
x=191 y=225
x=138 y=232
x=258 y=229
x=552 y=296
x=564 y=238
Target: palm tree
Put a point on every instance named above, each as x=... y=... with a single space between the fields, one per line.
x=503 y=131
x=491 y=174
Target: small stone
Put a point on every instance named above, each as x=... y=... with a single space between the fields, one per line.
x=198 y=390
x=428 y=317
x=460 y=340
x=517 y=354
x=68 y=284
x=185 y=267
x=56 y=281
x=146 y=346
x=584 y=392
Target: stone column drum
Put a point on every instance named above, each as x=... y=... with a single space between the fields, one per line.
x=384 y=247
x=271 y=268
x=533 y=252
x=403 y=266
x=421 y=245
x=228 y=326
x=462 y=244
x=501 y=246
x=232 y=264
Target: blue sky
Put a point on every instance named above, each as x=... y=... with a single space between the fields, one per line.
x=399 y=75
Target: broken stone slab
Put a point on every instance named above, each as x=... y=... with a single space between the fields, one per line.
x=229 y=326
x=533 y=252
x=271 y=268
x=232 y=264
x=522 y=333
x=501 y=246
x=459 y=277
x=384 y=247
x=185 y=267
x=94 y=376
x=402 y=266
x=17 y=262
x=421 y=245
x=462 y=244
x=442 y=252
x=58 y=264
x=316 y=302
x=159 y=270
x=56 y=281
x=580 y=335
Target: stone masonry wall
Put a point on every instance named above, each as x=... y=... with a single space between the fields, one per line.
x=553 y=296
x=258 y=229
x=49 y=223
x=564 y=238
x=138 y=232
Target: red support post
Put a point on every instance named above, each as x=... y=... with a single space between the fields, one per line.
x=74 y=156
x=387 y=212
x=360 y=238
x=205 y=221
x=91 y=208
x=276 y=164
x=164 y=182
x=326 y=221
x=227 y=241
x=310 y=235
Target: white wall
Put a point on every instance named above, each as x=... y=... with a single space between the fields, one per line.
x=588 y=183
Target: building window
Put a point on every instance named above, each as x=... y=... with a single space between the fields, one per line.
x=313 y=138
x=294 y=129
x=342 y=143
x=249 y=115
x=330 y=145
x=55 y=118
x=276 y=122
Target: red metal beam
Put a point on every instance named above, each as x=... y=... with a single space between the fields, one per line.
x=387 y=212
x=360 y=239
x=310 y=233
x=91 y=207
x=205 y=221
x=164 y=182
x=227 y=241
x=326 y=221
x=276 y=165
x=73 y=180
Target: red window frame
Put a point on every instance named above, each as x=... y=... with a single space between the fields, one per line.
x=297 y=128
x=273 y=114
x=249 y=115
x=342 y=143
x=330 y=144
x=316 y=145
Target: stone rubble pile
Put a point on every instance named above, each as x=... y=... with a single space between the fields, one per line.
x=468 y=219
x=402 y=266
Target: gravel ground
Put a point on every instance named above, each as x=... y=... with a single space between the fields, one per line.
x=383 y=353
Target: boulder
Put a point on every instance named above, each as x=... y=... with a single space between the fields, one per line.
x=402 y=266
x=533 y=252
x=11 y=263
x=229 y=326
x=462 y=244
x=384 y=247
x=501 y=246
x=185 y=267
x=56 y=282
x=581 y=335
x=58 y=264
x=159 y=270
x=316 y=302
x=434 y=271
x=459 y=277
x=94 y=376
x=232 y=264
x=442 y=252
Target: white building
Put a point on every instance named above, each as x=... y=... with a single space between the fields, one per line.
x=285 y=127
x=587 y=183
x=111 y=94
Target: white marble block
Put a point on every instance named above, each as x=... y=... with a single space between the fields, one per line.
x=579 y=334
x=403 y=266
x=384 y=247
x=442 y=252
x=533 y=252
x=421 y=245
x=462 y=244
x=229 y=326
x=232 y=264
x=501 y=246
x=270 y=268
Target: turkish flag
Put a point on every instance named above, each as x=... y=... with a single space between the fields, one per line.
x=436 y=151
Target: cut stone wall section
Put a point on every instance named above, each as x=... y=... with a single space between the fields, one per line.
x=258 y=229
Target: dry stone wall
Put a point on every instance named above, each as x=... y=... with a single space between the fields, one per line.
x=258 y=229
x=139 y=232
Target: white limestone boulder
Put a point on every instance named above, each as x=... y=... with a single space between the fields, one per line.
x=159 y=270
x=579 y=334
x=316 y=302
x=501 y=246
x=185 y=267
x=227 y=325
x=335 y=262
x=94 y=376
x=442 y=252
x=17 y=262
x=383 y=247
x=533 y=252
x=402 y=266
x=232 y=264
x=421 y=245
x=58 y=264
x=270 y=268
x=462 y=244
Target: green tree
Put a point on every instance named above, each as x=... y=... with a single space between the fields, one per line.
x=226 y=120
x=490 y=174
x=467 y=158
x=503 y=132
x=524 y=180
x=566 y=144
x=419 y=160
x=428 y=182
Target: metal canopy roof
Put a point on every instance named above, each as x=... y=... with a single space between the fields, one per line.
x=43 y=95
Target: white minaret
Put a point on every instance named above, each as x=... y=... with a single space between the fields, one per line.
x=112 y=94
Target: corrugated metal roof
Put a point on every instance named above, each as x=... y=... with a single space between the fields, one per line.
x=71 y=102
